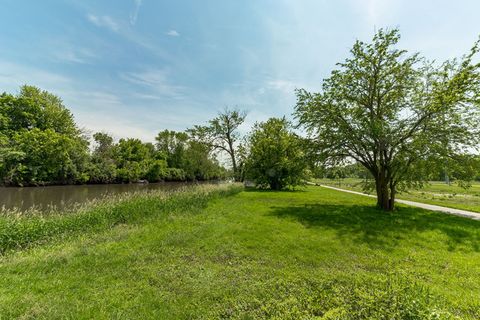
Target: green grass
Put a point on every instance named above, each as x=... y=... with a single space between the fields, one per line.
x=314 y=253
x=435 y=192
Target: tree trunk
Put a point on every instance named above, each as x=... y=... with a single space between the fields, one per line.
x=275 y=184
x=236 y=176
x=392 y=195
x=385 y=192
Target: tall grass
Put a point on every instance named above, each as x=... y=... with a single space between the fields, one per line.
x=22 y=229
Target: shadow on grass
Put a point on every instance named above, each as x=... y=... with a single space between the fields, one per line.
x=253 y=189
x=385 y=230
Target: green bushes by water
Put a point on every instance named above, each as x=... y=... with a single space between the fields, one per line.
x=20 y=230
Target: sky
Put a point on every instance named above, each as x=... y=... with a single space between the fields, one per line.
x=135 y=67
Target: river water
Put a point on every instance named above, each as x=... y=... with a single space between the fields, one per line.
x=63 y=197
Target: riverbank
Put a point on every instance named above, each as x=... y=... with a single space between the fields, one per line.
x=254 y=254
x=20 y=229
x=67 y=197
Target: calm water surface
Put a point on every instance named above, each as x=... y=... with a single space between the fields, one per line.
x=66 y=196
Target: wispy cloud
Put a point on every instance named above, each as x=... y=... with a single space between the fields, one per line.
x=103 y=21
x=377 y=13
x=173 y=33
x=134 y=14
x=81 y=55
x=156 y=80
x=13 y=75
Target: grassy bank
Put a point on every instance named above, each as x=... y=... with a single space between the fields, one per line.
x=307 y=254
x=22 y=229
x=435 y=192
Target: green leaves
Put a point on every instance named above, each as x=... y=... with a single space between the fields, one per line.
x=39 y=141
x=276 y=158
x=221 y=135
x=389 y=111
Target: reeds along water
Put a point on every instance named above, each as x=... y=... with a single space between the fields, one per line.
x=19 y=229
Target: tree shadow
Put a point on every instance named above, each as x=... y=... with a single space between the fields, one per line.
x=385 y=230
x=255 y=190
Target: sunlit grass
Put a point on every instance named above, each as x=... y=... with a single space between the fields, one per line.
x=313 y=253
x=438 y=193
x=19 y=229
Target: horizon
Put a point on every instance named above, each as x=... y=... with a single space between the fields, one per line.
x=134 y=68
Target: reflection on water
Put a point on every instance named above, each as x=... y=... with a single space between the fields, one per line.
x=65 y=196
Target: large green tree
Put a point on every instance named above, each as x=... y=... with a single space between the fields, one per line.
x=390 y=111
x=276 y=158
x=222 y=134
x=39 y=140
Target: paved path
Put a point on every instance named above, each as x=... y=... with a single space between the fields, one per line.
x=457 y=212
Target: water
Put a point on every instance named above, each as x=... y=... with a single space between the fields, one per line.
x=63 y=197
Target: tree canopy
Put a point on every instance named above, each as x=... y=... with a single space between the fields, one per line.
x=390 y=110
x=39 y=140
x=41 y=144
x=276 y=158
x=221 y=134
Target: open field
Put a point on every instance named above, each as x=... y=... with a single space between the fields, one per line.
x=435 y=192
x=255 y=254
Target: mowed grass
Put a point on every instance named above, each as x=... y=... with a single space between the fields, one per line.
x=435 y=192
x=312 y=253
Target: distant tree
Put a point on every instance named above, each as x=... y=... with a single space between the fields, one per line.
x=104 y=143
x=221 y=134
x=200 y=164
x=131 y=157
x=276 y=158
x=44 y=157
x=390 y=111
x=102 y=166
x=172 y=145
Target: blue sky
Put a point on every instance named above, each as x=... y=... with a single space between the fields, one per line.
x=135 y=67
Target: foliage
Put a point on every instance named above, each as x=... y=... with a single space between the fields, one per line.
x=172 y=145
x=276 y=158
x=39 y=141
x=390 y=111
x=221 y=134
x=40 y=144
x=102 y=165
x=188 y=157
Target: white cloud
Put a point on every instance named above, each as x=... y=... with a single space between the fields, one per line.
x=74 y=55
x=285 y=86
x=103 y=21
x=156 y=80
x=173 y=33
x=134 y=14
x=12 y=76
x=377 y=13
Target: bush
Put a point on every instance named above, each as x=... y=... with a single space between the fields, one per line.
x=276 y=158
x=174 y=174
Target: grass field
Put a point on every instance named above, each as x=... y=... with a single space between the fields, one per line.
x=309 y=254
x=435 y=192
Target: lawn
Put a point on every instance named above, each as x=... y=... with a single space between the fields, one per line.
x=435 y=192
x=311 y=253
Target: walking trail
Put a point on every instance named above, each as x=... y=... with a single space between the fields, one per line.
x=457 y=212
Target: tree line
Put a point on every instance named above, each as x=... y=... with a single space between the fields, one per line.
x=40 y=144
x=394 y=117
